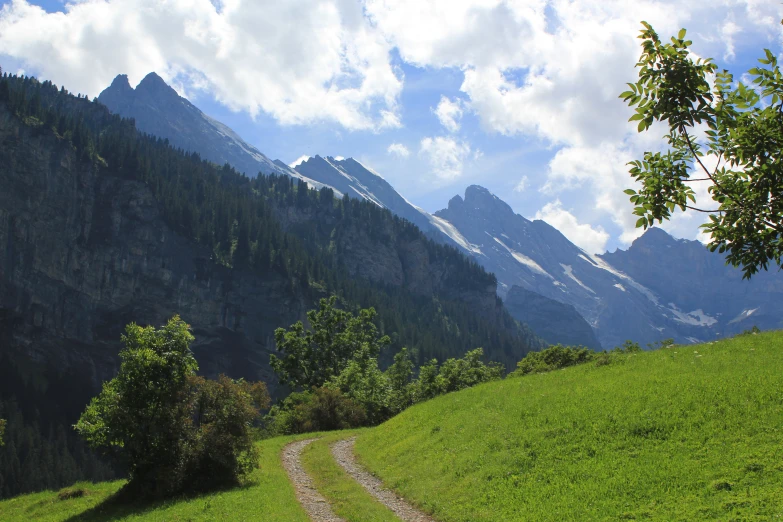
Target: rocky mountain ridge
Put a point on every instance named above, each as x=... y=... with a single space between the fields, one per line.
x=627 y=294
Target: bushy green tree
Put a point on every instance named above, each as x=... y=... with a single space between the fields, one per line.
x=223 y=451
x=553 y=358
x=2 y=432
x=174 y=431
x=400 y=376
x=454 y=375
x=142 y=415
x=739 y=155
x=362 y=381
x=316 y=355
x=322 y=409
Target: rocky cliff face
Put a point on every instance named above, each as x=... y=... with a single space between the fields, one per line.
x=553 y=321
x=160 y=111
x=82 y=253
x=660 y=288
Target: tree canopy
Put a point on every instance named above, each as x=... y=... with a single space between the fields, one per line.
x=314 y=356
x=720 y=132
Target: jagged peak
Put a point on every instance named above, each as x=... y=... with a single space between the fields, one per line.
x=456 y=202
x=121 y=82
x=479 y=197
x=155 y=84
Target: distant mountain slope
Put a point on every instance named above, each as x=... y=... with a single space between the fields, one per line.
x=351 y=177
x=659 y=288
x=160 y=111
x=553 y=321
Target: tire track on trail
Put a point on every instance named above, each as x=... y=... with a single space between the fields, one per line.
x=316 y=506
x=342 y=451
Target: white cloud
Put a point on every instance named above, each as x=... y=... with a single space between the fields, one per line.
x=552 y=70
x=300 y=61
x=522 y=185
x=446 y=156
x=589 y=238
x=298 y=161
x=398 y=149
x=727 y=31
x=449 y=113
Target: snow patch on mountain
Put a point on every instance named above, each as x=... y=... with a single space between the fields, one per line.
x=743 y=315
x=451 y=231
x=523 y=259
x=569 y=272
x=603 y=265
x=694 y=318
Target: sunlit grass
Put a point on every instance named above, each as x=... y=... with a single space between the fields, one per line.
x=685 y=433
x=268 y=496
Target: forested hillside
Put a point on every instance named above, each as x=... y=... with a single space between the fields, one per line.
x=101 y=225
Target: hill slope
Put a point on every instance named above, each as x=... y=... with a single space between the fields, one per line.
x=685 y=433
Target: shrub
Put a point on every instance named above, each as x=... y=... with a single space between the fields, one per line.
x=323 y=409
x=454 y=375
x=628 y=347
x=69 y=493
x=173 y=430
x=142 y=415
x=553 y=358
x=223 y=451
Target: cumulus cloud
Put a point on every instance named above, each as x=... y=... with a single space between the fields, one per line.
x=591 y=239
x=332 y=66
x=552 y=70
x=446 y=156
x=298 y=161
x=398 y=149
x=449 y=113
x=522 y=185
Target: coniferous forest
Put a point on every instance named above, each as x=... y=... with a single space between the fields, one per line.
x=237 y=219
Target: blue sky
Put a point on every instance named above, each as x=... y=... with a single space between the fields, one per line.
x=517 y=96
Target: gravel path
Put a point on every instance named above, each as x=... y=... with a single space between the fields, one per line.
x=317 y=507
x=343 y=454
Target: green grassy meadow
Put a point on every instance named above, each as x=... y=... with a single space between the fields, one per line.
x=684 y=433
x=268 y=496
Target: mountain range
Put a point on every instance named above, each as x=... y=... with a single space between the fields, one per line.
x=660 y=287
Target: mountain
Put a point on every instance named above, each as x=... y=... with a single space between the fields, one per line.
x=348 y=176
x=553 y=321
x=160 y=111
x=659 y=288
x=101 y=225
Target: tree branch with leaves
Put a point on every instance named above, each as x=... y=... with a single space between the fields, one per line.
x=725 y=133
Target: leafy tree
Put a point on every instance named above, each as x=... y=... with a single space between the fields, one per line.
x=223 y=451
x=557 y=356
x=143 y=415
x=362 y=381
x=314 y=356
x=738 y=154
x=322 y=409
x=468 y=371
x=400 y=377
x=2 y=432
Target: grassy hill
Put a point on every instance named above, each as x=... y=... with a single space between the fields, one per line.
x=269 y=497
x=684 y=433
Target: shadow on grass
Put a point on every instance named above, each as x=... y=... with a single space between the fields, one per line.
x=123 y=503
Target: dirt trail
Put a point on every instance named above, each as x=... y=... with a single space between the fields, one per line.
x=343 y=454
x=317 y=507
